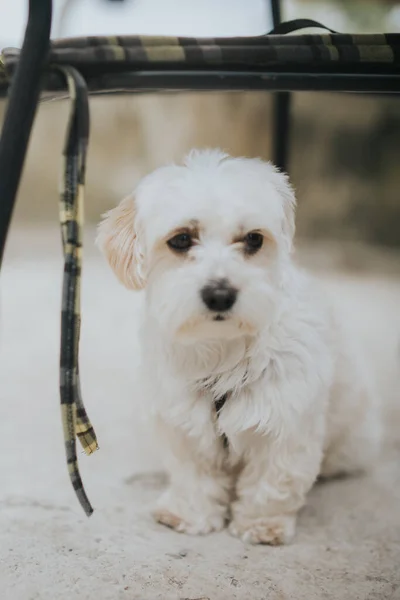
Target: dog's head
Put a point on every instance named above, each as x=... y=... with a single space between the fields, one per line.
x=210 y=242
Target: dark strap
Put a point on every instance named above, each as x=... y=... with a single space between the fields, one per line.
x=219 y=403
x=76 y=423
x=296 y=25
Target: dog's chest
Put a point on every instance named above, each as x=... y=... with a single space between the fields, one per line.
x=254 y=392
x=220 y=400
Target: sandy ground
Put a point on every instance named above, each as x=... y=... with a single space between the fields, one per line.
x=348 y=541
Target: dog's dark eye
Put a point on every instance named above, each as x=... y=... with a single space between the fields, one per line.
x=181 y=242
x=253 y=242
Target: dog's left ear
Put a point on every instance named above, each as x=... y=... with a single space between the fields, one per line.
x=288 y=197
x=118 y=238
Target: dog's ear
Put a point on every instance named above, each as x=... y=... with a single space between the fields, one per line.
x=289 y=206
x=288 y=197
x=119 y=241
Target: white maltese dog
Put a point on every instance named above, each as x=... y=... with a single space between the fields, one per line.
x=254 y=388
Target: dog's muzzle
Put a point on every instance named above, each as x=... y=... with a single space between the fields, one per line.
x=219 y=296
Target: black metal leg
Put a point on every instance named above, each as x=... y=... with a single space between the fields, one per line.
x=281 y=129
x=21 y=109
x=276 y=12
x=281 y=111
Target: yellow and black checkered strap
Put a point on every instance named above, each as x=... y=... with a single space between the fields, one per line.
x=267 y=51
x=76 y=423
x=99 y=56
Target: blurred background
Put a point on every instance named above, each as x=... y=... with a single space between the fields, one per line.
x=344 y=151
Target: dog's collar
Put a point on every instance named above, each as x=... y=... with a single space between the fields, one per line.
x=220 y=402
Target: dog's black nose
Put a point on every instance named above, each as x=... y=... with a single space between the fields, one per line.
x=219 y=296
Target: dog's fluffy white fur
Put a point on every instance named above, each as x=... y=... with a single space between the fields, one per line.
x=299 y=403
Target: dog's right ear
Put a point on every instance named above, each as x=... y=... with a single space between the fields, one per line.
x=118 y=240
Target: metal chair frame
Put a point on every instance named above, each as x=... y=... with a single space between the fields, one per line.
x=25 y=89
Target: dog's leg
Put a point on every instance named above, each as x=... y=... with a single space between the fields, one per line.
x=273 y=485
x=197 y=499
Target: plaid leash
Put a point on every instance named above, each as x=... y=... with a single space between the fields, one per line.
x=75 y=420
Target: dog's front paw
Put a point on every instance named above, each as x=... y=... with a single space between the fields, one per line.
x=178 y=514
x=264 y=530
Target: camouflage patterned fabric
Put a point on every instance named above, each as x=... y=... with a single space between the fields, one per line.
x=74 y=417
x=98 y=56
x=268 y=50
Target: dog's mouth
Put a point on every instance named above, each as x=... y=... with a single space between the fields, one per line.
x=219 y=318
